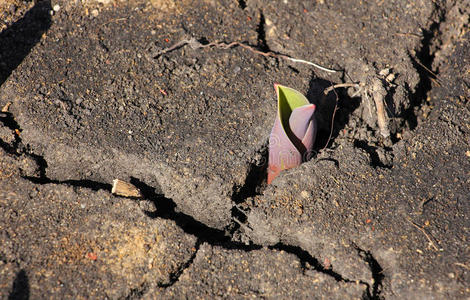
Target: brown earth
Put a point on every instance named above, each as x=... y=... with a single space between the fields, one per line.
x=91 y=91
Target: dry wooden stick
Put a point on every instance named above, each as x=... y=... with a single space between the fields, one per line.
x=326 y=91
x=195 y=44
x=462 y=265
x=430 y=72
x=332 y=116
x=425 y=234
x=125 y=189
x=340 y=85
x=378 y=95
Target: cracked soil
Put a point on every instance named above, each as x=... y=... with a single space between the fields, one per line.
x=90 y=92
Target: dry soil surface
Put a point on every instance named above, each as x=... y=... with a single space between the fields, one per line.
x=177 y=98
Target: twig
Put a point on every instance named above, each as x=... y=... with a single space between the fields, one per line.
x=195 y=44
x=326 y=91
x=430 y=72
x=408 y=34
x=332 y=117
x=340 y=85
x=462 y=265
x=171 y=48
x=378 y=95
x=425 y=233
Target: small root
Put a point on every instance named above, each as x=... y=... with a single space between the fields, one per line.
x=195 y=44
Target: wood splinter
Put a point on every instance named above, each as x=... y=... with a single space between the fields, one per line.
x=125 y=189
x=379 y=93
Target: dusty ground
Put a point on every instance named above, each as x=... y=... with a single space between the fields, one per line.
x=89 y=96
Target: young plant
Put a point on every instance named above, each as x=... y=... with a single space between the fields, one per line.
x=293 y=134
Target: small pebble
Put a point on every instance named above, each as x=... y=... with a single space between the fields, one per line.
x=94 y=13
x=384 y=72
x=56 y=7
x=304 y=194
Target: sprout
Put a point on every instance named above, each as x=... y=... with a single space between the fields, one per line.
x=293 y=134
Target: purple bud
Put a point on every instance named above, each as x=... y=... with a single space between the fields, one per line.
x=293 y=133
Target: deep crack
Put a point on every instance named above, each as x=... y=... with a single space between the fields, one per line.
x=166 y=208
x=9 y=121
x=174 y=277
x=376 y=270
x=138 y=292
x=17 y=148
x=82 y=183
x=423 y=64
x=262 y=44
x=305 y=258
x=255 y=183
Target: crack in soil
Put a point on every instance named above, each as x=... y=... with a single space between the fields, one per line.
x=166 y=208
x=17 y=148
x=376 y=270
x=306 y=259
x=255 y=183
x=375 y=160
x=138 y=292
x=8 y=121
x=82 y=183
x=174 y=277
x=262 y=44
x=422 y=62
